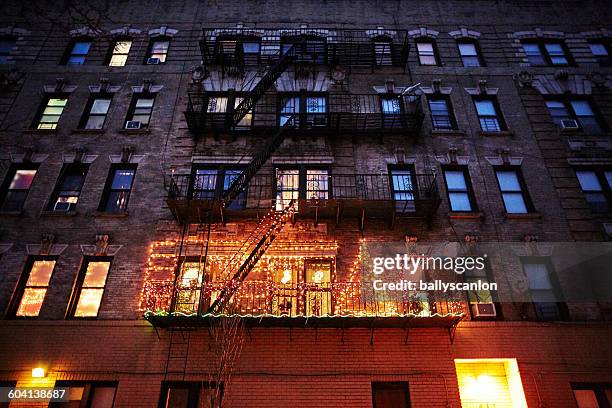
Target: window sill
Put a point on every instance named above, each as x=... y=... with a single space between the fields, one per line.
x=465 y=215
x=447 y=132
x=102 y=214
x=527 y=216
x=89 y=131
x=501 y=133
x=40 y=131
x=47 y=213
x=134 y=131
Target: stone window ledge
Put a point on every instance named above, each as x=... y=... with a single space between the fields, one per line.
x=102 y=214
x=465 y=215
x=503 y=133
x=47 y=213
x=527 y=216
x=447 y=132
x=134 y=131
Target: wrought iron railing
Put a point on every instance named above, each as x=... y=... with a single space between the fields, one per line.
x=306 y=299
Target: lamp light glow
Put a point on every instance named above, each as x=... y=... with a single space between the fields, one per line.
x=38 y=372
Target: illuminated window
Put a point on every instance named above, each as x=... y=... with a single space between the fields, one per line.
x=489 y=114
x=547 y=52
x=490 y=383
x=402 y=187
x=303 y=110
x=7 y=44
x=459 y=189
x=118 y=189
x=16 y=187
x=77 y=52
x=287 y=187
x=441 y=113
x=96 y=111
x=188 y=287
x=593 y=395
x=318 y=276
x=468 y=50
x=426 y=50
x=32 y=287
x=119 y=53
x=596 y=185
x=68 y=189
x=513 y=190
x=51 y=111
x=140 y=111
x=211 y=182
x=301 y=183
x=158 y=51
x=189 y=395
x=390 y=395
x=90 y=285
x=87 y=394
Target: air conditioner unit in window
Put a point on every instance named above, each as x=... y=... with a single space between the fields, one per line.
x=569 y=124
x=133 y=124
x=153 y=61
x=484 y=310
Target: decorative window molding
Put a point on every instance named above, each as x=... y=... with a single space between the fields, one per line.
x=104 y=87
x=303 y=159
x=589 y=161
x=134 y=158
x=4 y=248
x=84 y=32
x=380 y=31
x=60 y=86
x=504 y=159
x=28 y=157
x=452 y=158
x=147 y=86
x=601 y=33
x=79 y=156
x=437 y=88
x=239 y=30
x=465 y=33
x=46 y=247
x=539 y=33
x=590 y=144
x=126 y=31
x=163 y=31
x=14 y=31
x=482 y=89
x=100 y=247
x=400 y=158
x=557 y=84
x=389 y=87
x=423 y=32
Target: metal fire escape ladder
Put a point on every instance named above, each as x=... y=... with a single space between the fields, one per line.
x=276 y=221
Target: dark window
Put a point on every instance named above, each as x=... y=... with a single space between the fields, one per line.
x=7 y=45
x=470 y=53
x=544 y=289
x=293 y=183
x=403 y=188
x=118 y=188
x=158 y=50
x=489 y=115
x=578 y=110
x=597 y=187
x=312 y=49
x=32 y=287
x=540 y=53
x=77 y=52
x=50 y=112
x=304 y=110
x=89 y=287
x=593 y=395
x=16 y=187
x=383 y=51
x=211 y=182
x=390 y=395
x=513 y=191
x=96 y=111
x=459 y=189
x=189 y=395
x=442 y=117
x=601 y=52
x=119 y=53
x=427 y=52
x=83 y=394
x=140 y=111
x=68 y=188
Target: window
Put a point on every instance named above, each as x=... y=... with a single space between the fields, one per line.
x=479 y=297
x=540 y=53
x=50 y=113
x=219 y=103
x=311 y=48
x=140 y=111
x=68 y=188
x=189 y=395
x=458 y=186
x=210 y=183
x=402 y=186
x=89 y=288
x=158 y=51
x=96 y=111
x=317 y=274
x=32 y=287
x=593 y=395
x=513 y=190
x=118 y=189
x=301 y=183
x=488 y=115
x=601 y=52
x=87 y=394
x=119 y=53
x=597 y=187
x=390 y=395
x=383 y=51
x=307 y=110
x=468 y=50
x=16 y=187
x=579 y=110
x=442 y=117
x=7 y=45
x=77 y=52
x=427 y=52
x=544 y=291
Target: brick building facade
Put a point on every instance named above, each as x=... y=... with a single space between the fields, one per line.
x=382 y=122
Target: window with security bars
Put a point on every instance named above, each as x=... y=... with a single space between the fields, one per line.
x=96 y=112
x=89 y=288
x=68 y=189
x=118 y=189
x=548 y=52
x=77 y=52
x=469 y=52
x=158 y=51
x=211 y=182
x=578 y=110
x=596 y=185
x=442 y=117
x=301 y=183
x=601 y=52
x=489 y=116
x=140 y=111
x=50 y=113
x=383 y=51
x=403 y=188
x=544 y=290
x=16 y=187
x=426 y=50
x=459 y=189
x=119 y=53
x=513 y=191
x=32 y=287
